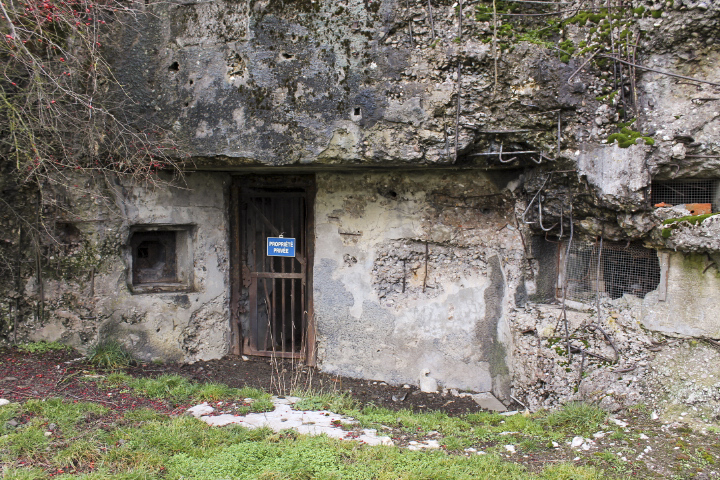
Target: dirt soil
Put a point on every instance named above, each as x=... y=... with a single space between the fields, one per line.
x=285 y=377
x=642 y=447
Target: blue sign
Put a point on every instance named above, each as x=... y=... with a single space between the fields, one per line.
x=280 y=247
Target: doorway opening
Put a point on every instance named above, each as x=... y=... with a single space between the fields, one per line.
x=273 y=239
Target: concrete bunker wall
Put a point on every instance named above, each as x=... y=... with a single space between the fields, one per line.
x=186 y=321
x=415 y=271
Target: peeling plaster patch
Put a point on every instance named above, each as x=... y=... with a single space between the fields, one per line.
x=279 y=128
x=343 y=144
x=238 y=116
x=206 y=332
x=203 y=130
x=279 y=95
x=409 y=111
x=400 y=268
x=618 y=173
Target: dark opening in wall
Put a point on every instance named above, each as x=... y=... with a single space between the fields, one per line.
x=611 y=271
x=160 y=259
x=545 y=253
x=687 y=191
x=154 y=257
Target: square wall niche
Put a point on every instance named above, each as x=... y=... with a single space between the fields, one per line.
x=161 y=258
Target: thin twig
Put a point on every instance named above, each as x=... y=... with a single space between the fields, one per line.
x=633 y=83
x=565 y=284
x=612 y=49
x=609 y=340
x=427 y=254
x=459 y=82
x=626 y=369
x=518 y=402
x=495 y=53
x=598 y=356
x=536 y=195
x=558 y=135
x=500 y=153
x=582 y=66
x=662 y=72
x=597 y=278
x=410 y=21
x=432 y=22
x=558 y=12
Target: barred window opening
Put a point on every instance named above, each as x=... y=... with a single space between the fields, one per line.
x=623 y=268
x=687 y=192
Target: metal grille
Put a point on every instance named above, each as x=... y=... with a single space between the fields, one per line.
x=622 y=268
x=277 y=290
x=681 y=192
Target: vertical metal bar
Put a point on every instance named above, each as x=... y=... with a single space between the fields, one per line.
x=270 y=314
x=253 y=298
x=235 y=267
x=302 y=234
x=309 y=251
x=257 y=268
x=268 y=261
x=662 y=285
x=292 y=218
x=282 y=293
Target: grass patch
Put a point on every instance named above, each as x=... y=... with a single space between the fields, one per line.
x=27 y=442
x=146 y=444
x=65 y=415
x=8 y=412
x=41 y=347
x=566 y=471
x=178 y=389
x=577 y=418
x=322 y=457
x=109 y=355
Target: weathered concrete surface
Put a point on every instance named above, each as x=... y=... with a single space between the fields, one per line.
x=183 y=325
x=378 y=315
x=693 y=299
x=620 y=175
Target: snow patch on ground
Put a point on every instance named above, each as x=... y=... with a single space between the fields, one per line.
x=284 y=418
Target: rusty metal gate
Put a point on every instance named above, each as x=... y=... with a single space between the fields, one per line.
x=274 y=306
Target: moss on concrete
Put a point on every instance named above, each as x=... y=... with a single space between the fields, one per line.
x=673 y=223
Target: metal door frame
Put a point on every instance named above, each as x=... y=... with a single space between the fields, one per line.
x=238 y=273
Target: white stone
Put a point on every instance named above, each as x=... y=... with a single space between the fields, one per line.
x=619 y=423
x=4 y=401
x=427 y=383
x=576 y=442
x=488 y=401
x=199 y=410
x=510 y=448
